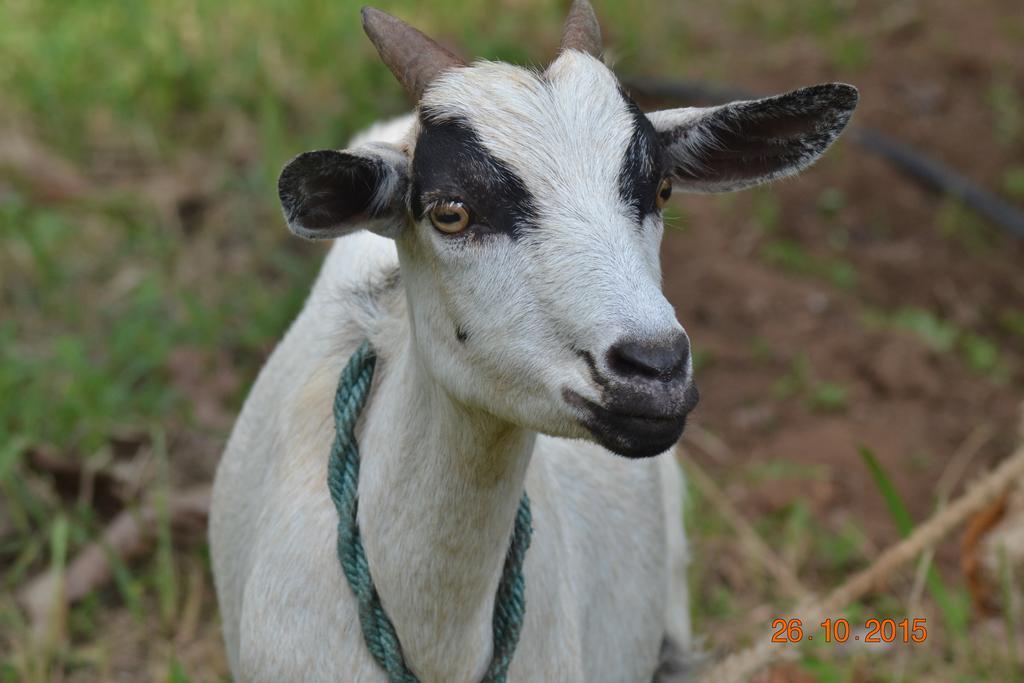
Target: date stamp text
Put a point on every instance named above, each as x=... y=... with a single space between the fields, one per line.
x=906 y=630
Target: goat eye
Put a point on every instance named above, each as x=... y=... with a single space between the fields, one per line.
x=664 y=192
x=450 y=217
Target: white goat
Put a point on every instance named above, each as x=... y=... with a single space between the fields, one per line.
x=500 y=253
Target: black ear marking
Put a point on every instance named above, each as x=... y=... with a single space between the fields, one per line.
x=326 y=192
x=746 y=143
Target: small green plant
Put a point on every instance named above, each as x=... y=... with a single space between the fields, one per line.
x=980 y=353
x=1008 y=111
x=953 y=606
x=959 y=223
x=767 y=210
x=939 y=334
x=792 y=257
x=828 y=397
x=850 y=53
x=831 y=202
x=1013 y=322
x=176 y=673
x=819 y=395
x=1013 y=182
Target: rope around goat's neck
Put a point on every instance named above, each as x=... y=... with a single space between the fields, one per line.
x=343 y=480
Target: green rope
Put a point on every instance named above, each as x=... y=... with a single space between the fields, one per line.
x=343 y=479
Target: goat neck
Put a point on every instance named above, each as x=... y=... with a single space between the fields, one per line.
x=439 y=486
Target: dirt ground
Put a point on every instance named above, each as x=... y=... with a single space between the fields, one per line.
x=772 y=327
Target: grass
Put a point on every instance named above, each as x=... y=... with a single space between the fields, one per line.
x=793 y=257
x=822 y=396
x=954 y=611
x=979 y=352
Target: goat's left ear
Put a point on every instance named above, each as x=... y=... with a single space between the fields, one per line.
x=738 y=145
x=328 y=193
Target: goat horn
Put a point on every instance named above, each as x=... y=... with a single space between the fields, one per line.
x=413 y=58
x=582 y=32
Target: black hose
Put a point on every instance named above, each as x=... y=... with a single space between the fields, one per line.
x=925 y=170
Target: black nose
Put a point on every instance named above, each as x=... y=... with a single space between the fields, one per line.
x=665 y=359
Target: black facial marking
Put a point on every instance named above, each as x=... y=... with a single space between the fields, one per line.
x=595 y=374
x=643 y=164
x=450 y=162
x=461 y=334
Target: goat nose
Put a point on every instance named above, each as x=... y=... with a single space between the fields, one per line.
x=665 y=359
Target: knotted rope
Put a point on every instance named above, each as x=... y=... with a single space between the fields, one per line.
x=343 y=480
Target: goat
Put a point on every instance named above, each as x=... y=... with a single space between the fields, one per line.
x=499 y=248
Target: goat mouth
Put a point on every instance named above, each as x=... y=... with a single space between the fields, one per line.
x=630 y=432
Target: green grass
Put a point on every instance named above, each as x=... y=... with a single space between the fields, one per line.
x=954 y=608
x=175 y=116
x=822 y=396
x=1013 y=182
x=1007 y=107
x=979 y=352
x=792 y=257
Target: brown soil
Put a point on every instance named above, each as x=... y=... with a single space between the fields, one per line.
x=912 y=405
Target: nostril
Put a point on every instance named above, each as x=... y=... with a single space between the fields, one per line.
x=663 y=359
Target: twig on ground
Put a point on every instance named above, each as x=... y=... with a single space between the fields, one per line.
x=961 y=460
x=755 y=547
x=101 y=489
x=707 y=442
x=128 y=536
x=950 y=477
x=740 y=666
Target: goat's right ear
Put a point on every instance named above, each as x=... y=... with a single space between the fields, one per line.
x=328 y=193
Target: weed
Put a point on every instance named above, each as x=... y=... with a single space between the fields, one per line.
x=767 y=210
x=1008 y=111
x=791 y=256
x=978 y=352
x=819 y=396
x=176 y=673
x=1013 y=322
x=963 y=225
x=1013 y=182
x=828 y=397
x=939 y=334
x=849 y=53
x=831 y=202
x=954 y=608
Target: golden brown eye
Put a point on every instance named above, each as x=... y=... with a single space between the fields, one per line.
x=664 y=192
x=450 y=217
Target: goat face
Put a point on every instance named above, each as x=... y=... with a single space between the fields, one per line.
x=527 y=214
